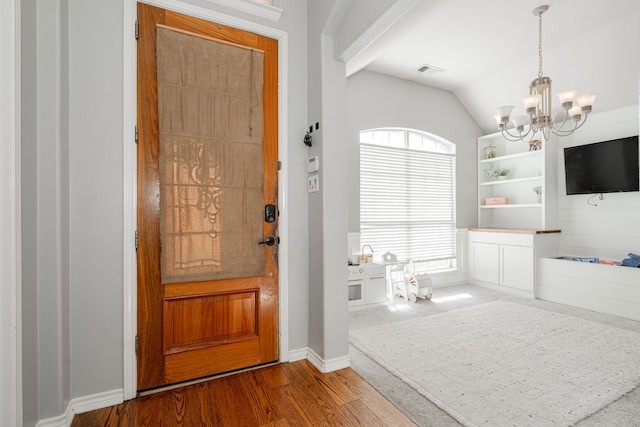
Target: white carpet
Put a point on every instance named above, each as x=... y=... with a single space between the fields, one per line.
x=503 y=363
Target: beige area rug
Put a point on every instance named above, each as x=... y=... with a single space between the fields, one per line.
x=502 y=363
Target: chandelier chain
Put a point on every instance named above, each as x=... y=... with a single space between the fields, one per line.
x=540 y=45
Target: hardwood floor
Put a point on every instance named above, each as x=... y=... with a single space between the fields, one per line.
x=287 y=394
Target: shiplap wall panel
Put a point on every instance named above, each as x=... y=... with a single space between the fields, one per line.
x=611 y=229
x=600 y=228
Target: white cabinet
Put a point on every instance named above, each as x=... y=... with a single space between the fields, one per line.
x=366 y=284
x=375 y=284
x=517 y=267
x=527 y=170
x=485 y=261
x=505 y=260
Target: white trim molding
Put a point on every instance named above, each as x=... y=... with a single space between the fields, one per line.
x=253 y=7
x=129 y=163
x=83 y=404
x=314 y=358
x=379 y=27
x=331 y=365
x=298 y=354
x=10 y=224
x=129 y=191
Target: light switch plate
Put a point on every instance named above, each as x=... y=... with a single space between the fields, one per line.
x=313 y=164
x=313 y=183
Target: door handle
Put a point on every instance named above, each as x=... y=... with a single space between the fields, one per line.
x=269 y=241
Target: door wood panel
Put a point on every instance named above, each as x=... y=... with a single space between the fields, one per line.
x=193 y=329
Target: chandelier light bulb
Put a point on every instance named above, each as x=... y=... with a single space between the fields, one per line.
x=504 y=113
x=575 y=112
x=531 y=102
x=519 y=122
x=586 y=100
x=567 y=97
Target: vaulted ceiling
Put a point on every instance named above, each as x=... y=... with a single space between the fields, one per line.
x=488 y=49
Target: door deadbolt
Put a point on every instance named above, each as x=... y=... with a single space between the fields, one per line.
x=269 y=241
x=270 y=213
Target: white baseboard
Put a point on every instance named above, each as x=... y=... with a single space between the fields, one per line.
x=63 y=420
x=322 y=365
x=83 y=404
x=325 y=366
x=298 y=354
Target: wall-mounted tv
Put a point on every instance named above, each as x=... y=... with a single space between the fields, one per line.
x=603 y=167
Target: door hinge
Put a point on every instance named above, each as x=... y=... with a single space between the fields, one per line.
x=136 y=344
x=136 y=134
x=136 y=240
x=279 y=164
x=137 y=32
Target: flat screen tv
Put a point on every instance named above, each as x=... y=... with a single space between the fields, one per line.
x=603 y=167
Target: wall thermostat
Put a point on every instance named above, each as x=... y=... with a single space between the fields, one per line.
x=313 y=164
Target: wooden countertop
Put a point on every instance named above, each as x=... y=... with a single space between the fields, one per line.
x=514 y=230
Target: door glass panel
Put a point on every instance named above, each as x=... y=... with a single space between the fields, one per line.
x=211 y=158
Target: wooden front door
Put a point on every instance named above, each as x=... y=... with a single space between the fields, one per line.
x=207 y=170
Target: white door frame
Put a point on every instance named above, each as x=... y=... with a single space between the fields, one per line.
x=10 y=235
x=129 y=168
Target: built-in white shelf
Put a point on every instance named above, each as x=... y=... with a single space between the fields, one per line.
x=511 y=206
x=512 y=181
x=515 y=156
x=528 y=171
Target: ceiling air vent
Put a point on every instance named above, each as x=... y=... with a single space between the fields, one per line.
x=430 y=70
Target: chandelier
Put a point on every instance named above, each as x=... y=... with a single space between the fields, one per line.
x=538 y=105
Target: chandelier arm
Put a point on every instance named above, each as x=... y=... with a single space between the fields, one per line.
x=514 y=138
x=534 y=127
x=581 y=122
x=553 y=126
x=563 y=132
x=566 y=132
x=546 y=133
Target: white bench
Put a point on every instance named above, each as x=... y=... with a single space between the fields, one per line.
x=602 y=288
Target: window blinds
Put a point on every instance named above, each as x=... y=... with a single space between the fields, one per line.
x=407 y=202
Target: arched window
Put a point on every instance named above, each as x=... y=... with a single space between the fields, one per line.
x=407 y=195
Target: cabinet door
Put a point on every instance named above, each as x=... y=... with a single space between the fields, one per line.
x=485 y=261
x=376 y=289
x=516 y=267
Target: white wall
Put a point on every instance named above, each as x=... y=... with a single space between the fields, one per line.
x=611 y=229
x=328 y=338
x=52 y=208
x=376 y=100
x=96 y=195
